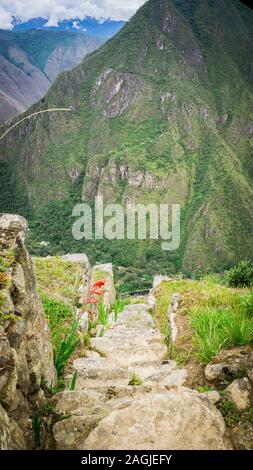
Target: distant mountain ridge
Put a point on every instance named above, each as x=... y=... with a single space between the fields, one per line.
x=104 y=28
x=31 y=60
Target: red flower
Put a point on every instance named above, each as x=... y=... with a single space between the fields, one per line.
x=96 y=291
x=99 y=284
x=92 y=301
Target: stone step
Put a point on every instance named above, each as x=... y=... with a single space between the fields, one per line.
x=148 y=374
x=69 y=402
x=123 y=343
x=120 y=360
x=176 y=420
x=138 y=418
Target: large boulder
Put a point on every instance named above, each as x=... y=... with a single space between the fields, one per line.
x=176 y=420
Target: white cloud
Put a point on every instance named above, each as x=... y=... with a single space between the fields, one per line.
x=56 y=10
x=5 y=19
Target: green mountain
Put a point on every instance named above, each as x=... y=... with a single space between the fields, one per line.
x=163 y=112
x=30 y=61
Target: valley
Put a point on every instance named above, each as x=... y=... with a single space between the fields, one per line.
x=30 y=61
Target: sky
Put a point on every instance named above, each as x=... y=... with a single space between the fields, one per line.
x=56 y=10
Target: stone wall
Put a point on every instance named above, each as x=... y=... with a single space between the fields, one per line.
x=26 y=356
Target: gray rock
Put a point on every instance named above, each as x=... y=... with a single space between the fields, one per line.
x=80 y=258
x=11 y=436
x=159 y=279
x=230 y=364
x=215 y=372
x=249 y=370
x=26 y=356
x=172 y=313
x=213 y=396
x=244 y=435
x=240 y=393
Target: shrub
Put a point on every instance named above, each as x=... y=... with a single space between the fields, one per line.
x=241 y=275
x=247 y=304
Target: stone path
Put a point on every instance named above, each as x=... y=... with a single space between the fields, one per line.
x=105 y=412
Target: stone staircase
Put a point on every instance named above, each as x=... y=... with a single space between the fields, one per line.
x=155 y=412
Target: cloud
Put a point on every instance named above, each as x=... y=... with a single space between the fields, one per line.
x=5 y=19
x=56 y=10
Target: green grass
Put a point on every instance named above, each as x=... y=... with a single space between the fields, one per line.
x=58 y=279
x=219 y=328
x=135 y=380
x=247 y=304
x=6 y=260
x=36 y=424
x=216 y=316
x=119 y=306
x=58 y=283
x=63 y=326
x=73 y=381
x=204 y=389
x=66 y=348
x=60 y=317
x=103 y=317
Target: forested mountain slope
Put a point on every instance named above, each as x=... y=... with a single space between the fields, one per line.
x=160 y=113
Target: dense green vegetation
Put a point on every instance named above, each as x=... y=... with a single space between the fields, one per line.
x=13 y=198
x=241 y=275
